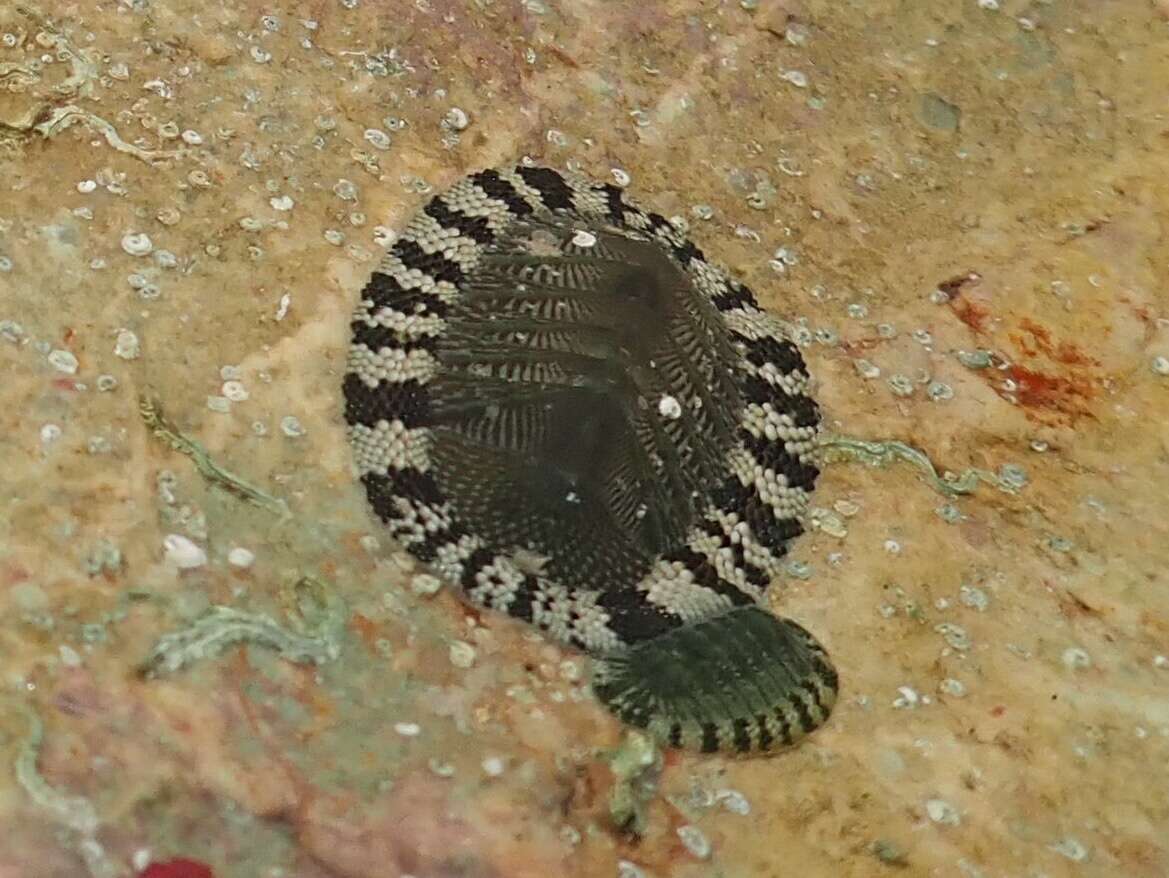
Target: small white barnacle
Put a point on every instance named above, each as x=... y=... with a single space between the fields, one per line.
x=541 y=369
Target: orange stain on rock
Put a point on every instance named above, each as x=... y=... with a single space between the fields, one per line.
x=971 y=313
x=1037 y=390
x=1040 y=390
x=368 y=630
x=1038 y=341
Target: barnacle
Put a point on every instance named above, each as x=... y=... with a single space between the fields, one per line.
x=560 y=404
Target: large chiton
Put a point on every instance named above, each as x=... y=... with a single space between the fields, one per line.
x=559 y=403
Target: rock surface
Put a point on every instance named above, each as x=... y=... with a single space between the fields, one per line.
x=966 y=204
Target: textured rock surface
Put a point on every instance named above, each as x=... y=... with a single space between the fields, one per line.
x=1004 y=659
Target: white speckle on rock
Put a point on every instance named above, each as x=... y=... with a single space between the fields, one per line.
x=282 y=308
x=346 y=190
x=828 y=522
x=783 y=259
x=974 y=359
x=796 y=77
x=907 y=698
x=126 y=345
x=69 y=656
x=901 y=385
x=1161 y=365
x=425 y=584
x=1076 y=658
x=939 y=391
x=669 y=407
x=867 y=369
x=462 y=654
x=733 y=801
x=377 y=138
x=168 y=216
x=456 y=119
x=86 y=186
x=241 y=557
x=952 y=687
x=235 y=391
x=974 y=597
x=137 y=243
x=63 y=361
x=1071 y=848
x=954 y=635
x=941 y=811
x=183 y=553
x=493 y=766
x=695 y=841
x=796 y=34
x=846 y=508
x=281 y=202
x=291 y=427
x=12 y=331
x=50 y=433
x=407 y=730
x=583 y=238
